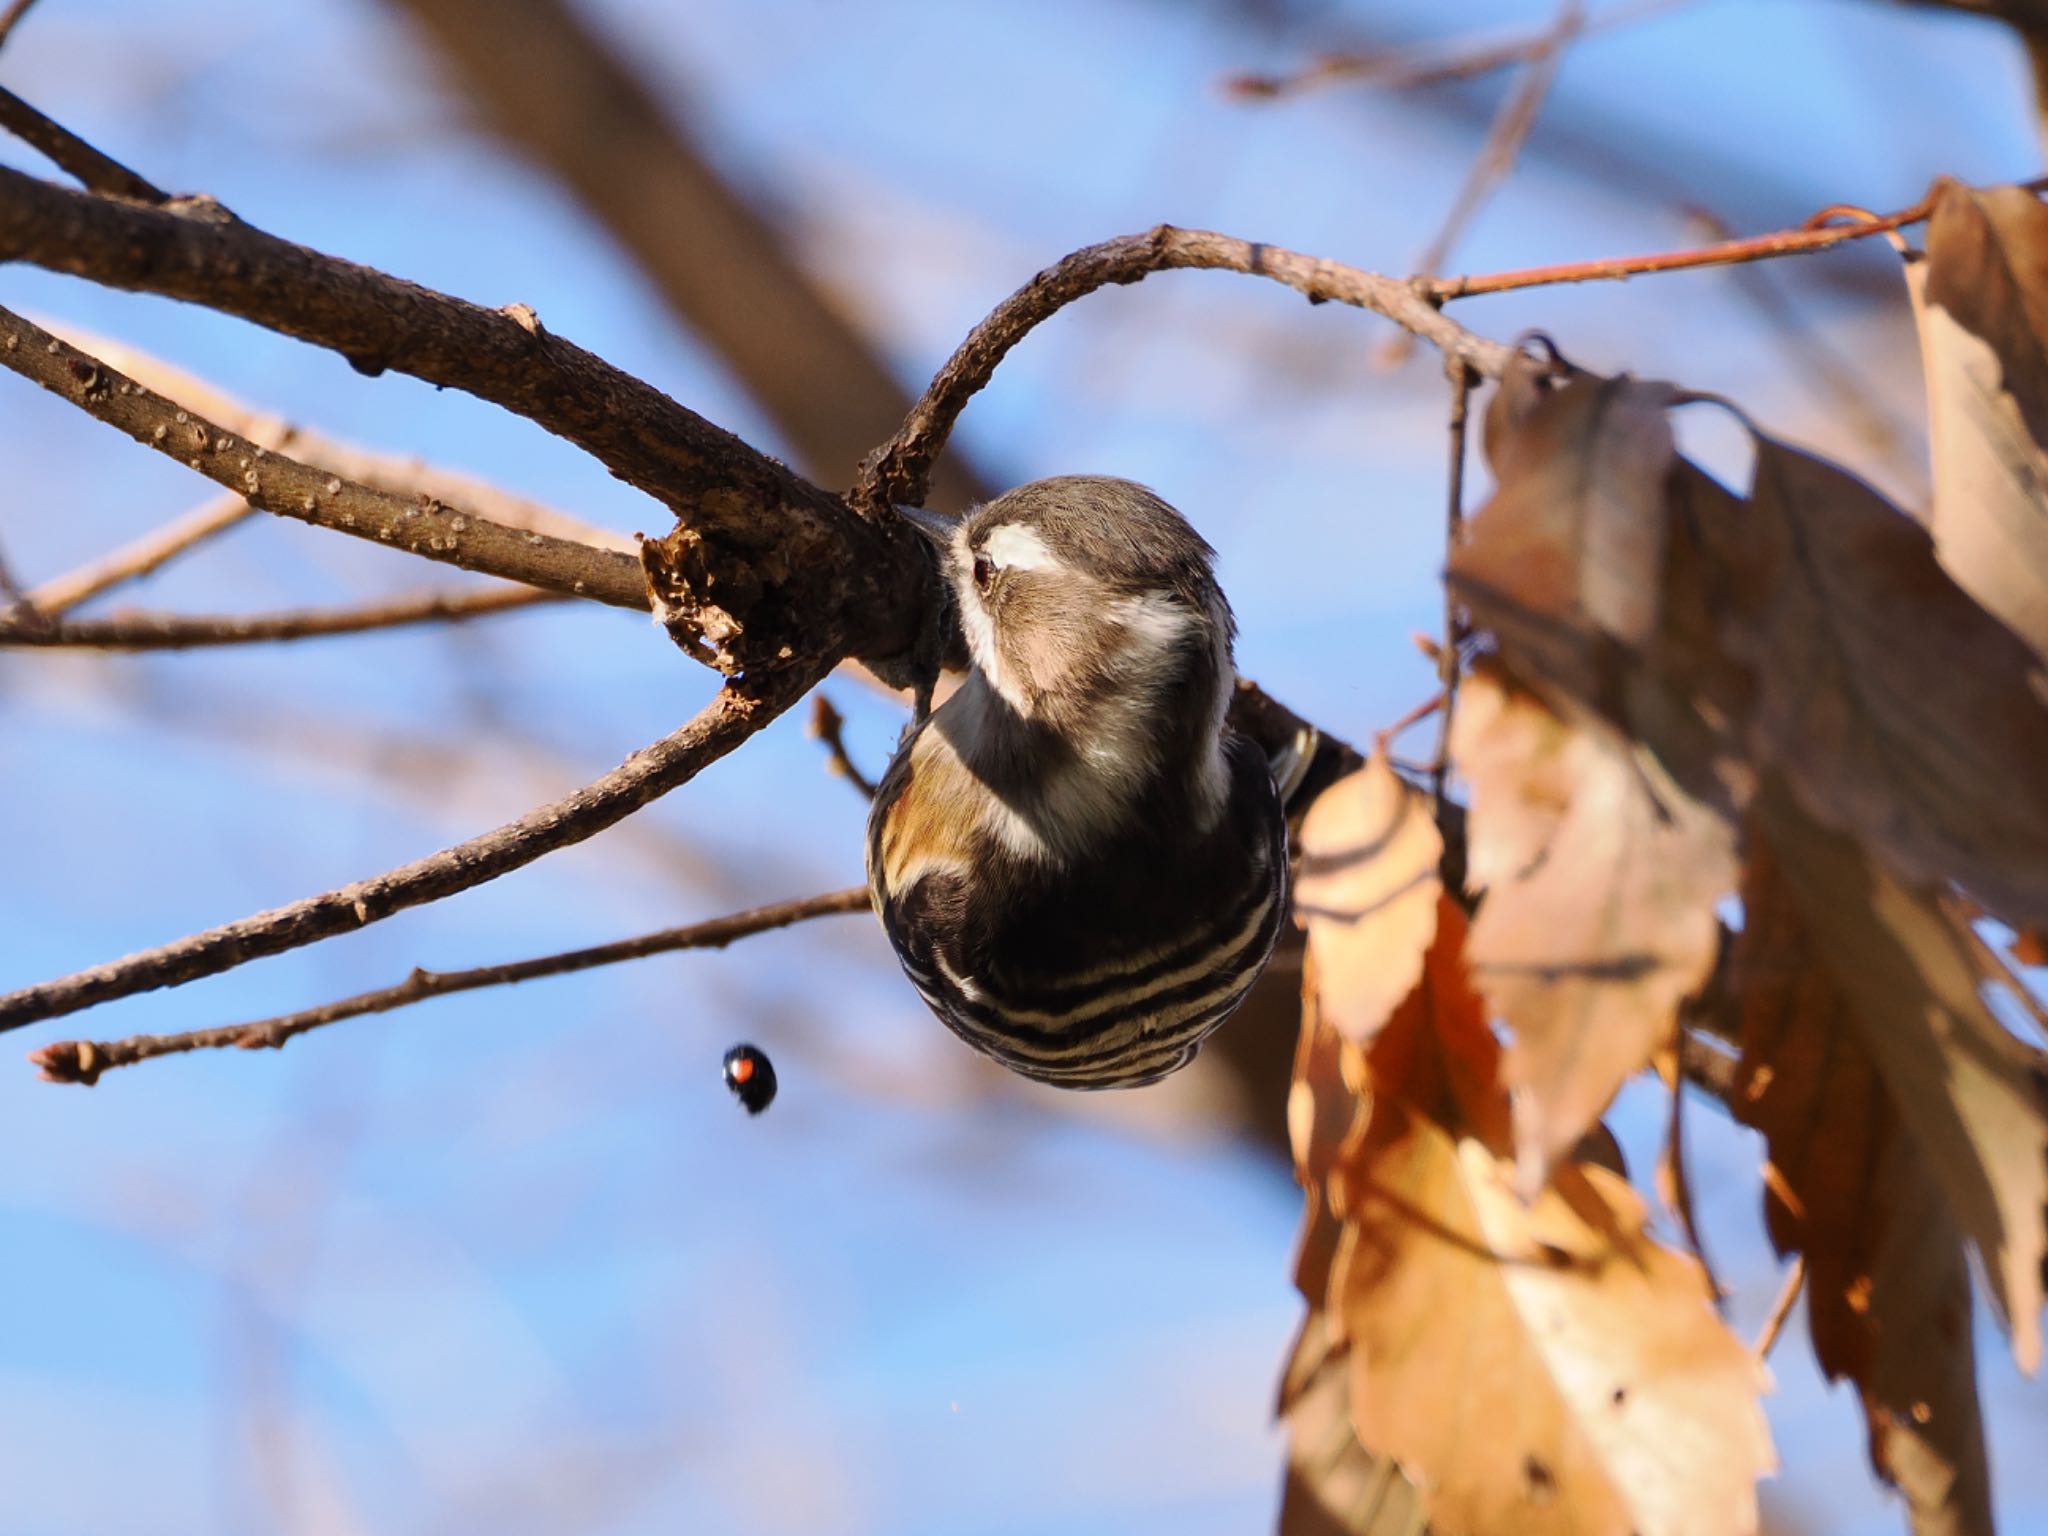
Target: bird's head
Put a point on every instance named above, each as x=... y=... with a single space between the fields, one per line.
x=1080 y=591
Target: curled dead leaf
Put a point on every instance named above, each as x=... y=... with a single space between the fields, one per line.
x=1564 y=563
x=1980 y=295
x=1367 y=894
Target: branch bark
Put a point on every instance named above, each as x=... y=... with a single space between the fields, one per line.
x=82 y=1061
x=182 y=631
x=282 y=485
x=739 y=710
x=773 y=567
x=900 y=470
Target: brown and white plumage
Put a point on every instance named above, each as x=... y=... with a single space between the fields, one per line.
x=1081 y=869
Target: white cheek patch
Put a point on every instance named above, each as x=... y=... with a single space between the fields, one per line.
x=1014 y=547
x=1155 y=622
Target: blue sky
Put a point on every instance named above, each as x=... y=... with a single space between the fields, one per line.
x=512 y=1260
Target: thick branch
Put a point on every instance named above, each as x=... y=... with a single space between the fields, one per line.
x=82 y=1061
x=288 y=488
x=181 y=631
x=900 y=470
x=739 y=710
x=769 y=562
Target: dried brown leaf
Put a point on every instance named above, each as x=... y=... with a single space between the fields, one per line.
x=1896 y=708
x=1981 y=299
x=1437 y=1053
x=1973 y=1097
x=1888 y=1285
x=1334 y=1486
x=1536 y=1369
x=1598 y=921
x=1564 y=563
x=1367 y=894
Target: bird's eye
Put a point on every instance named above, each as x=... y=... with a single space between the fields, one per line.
x=984 y=571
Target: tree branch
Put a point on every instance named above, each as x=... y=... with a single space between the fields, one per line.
x=763 y=560
x=278 y=484
x=68 y=152
x=1509 y=130
x=400 y=474
x=179 y=631
x=900 y=470
x=82 y=1061
x=13 y=14
x=1433 y=64
x=1815 y=235
x=829 y=726
x=739 y=710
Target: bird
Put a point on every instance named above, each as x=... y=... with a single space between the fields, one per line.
x=1080 y=866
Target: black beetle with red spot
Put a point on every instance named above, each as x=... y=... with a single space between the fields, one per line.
x=751 y=1077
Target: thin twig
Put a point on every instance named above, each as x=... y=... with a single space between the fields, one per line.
x=1447 y=654
x=139 y=557
x=899 y=471
x=1781 y=1309
x=1436 y=63
x=1504 y=138
x=180 y=631
x=739 y=710
x=1784 y=242
x=829 y=726
x=12 y=595
x=1808 y=349
x=1415 y=716
x=11 y=15
x=796 y=567
x=1674 y=1182
x=82 y=1061
x=276 y=483
x=66 y=150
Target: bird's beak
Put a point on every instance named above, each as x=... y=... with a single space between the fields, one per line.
x=935 y=526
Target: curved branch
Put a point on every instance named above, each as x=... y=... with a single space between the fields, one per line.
x=182 y=631
x=82 y=1061
x=900 y=470
x=739 y=710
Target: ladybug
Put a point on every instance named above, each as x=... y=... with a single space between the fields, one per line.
x=751 y=1077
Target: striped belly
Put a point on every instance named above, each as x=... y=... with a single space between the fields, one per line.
x=1121 y=1020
